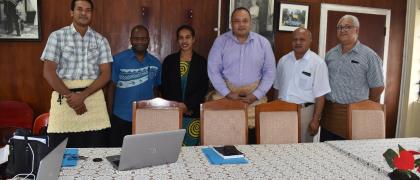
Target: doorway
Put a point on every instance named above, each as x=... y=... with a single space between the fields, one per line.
x=374 y=30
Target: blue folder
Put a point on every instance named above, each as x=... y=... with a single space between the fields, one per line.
x=70 y=157
x=216 y=159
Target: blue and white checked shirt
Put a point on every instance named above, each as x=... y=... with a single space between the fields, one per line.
x=352 y=74
x=77 y=57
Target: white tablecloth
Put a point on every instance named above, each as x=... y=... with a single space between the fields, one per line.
x=290 y=161
x=369 y=152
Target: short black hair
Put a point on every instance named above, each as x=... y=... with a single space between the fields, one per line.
x=186 y=27
x=73 y=4
x=139 y=27
x=240 y=9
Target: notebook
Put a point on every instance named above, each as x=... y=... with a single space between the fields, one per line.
x=228 y=152
x=215 y=159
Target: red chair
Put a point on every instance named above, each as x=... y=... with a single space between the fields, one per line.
x=13 y=115
x=41 y=123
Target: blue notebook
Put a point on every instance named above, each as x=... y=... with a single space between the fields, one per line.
x=70 y=157
x=216 y=159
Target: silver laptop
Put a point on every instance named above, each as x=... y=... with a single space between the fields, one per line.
x=149 y=149
x=50 y=165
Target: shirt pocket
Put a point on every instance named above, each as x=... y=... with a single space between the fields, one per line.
x=93 y=55
x=69 y=53
x=305 y=80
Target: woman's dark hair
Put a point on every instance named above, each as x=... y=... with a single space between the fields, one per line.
x=73 y=4
x=187 y=27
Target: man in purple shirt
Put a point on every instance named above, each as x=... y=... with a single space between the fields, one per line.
x=241 y=64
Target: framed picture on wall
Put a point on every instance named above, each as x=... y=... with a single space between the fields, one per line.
x=293 y=16
x=20 y=20
x=261 y=11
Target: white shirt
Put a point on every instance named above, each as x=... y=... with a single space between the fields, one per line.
x=301 y=81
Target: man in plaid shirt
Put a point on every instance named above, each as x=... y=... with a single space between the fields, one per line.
x=77 y=65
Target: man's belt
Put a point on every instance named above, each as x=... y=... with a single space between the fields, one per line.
x=60 y=96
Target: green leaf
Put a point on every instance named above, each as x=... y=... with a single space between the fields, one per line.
x=389 y=157
x=400 y=148
x=417 y=163
x=412 y=175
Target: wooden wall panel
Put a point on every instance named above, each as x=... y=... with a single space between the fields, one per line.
x=204 y=22
x=172 y=15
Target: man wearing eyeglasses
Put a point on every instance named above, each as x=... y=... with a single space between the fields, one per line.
x=241 y=64
x=355 y=74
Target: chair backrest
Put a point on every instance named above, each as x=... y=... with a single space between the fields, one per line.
x=40 y=124
x=156 y=115
x=277 y=122
x=224 y=122
x=366 y=120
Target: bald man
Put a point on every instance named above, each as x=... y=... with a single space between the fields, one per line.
x=136 y=74
x=302 y=78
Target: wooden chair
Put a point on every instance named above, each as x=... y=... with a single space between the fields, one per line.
x=41 y=124
x=156 y=115
x=366 y=120
x=224 y=122
x=277 y=122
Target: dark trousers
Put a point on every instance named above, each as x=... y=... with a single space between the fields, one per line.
x=12 y=19
x=119 y=129
x=329 y=136
x=252 y=136
x=81 y=139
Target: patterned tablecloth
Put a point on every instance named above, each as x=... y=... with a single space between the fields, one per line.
x=369 y=152
x=289 y=161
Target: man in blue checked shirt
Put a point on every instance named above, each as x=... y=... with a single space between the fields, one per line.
x=355 y=74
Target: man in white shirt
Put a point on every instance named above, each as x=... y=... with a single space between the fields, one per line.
x=302 y=78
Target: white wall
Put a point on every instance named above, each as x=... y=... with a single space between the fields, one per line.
x=409 y=114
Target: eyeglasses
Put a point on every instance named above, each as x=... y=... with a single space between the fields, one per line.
x=344 y=28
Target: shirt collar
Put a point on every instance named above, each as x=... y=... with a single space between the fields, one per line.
x=133 y=54
x=306 y=56
x=74 y=31
x=251 y=36
x=356 y=48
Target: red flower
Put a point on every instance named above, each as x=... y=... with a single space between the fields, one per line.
x=414 y=152
x=405 y=161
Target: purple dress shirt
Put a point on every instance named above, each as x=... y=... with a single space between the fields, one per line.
x=241 y=64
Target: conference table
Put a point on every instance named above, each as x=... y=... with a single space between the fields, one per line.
x=355 y=159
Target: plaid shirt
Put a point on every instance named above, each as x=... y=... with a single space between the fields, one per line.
x=352 y=74
x=77 y=57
